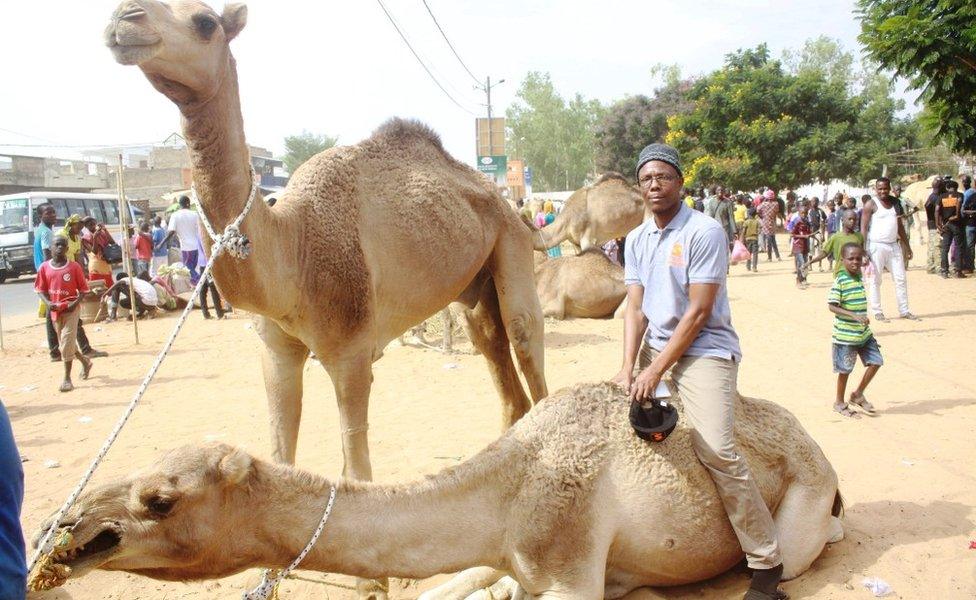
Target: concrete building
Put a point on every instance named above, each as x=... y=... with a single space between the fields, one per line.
x=25 y=173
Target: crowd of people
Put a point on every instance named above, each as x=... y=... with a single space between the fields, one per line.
x=83 y=260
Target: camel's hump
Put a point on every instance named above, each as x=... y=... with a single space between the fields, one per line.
x=407 y=129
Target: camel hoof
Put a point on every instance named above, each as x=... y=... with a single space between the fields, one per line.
x=836 y=531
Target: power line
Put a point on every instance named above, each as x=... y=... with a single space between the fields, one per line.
x=417 y=56
x=80 y=146
x=449 y=44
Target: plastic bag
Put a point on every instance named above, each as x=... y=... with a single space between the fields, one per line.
x=740 y=253
x=868 y=270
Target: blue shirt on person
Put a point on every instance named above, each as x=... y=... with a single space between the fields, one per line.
x=43 y=236
x=158 y=233
x=13 y=558
x=692 y=248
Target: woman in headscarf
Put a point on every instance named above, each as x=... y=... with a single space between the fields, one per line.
x=72 y=231
x=550 y=216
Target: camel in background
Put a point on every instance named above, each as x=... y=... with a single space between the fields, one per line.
x=589 y=286
x=606 y=210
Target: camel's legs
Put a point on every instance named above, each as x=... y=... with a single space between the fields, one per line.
x=805 y=525
x=487 y=333
x=282 y=361
x=519 y=304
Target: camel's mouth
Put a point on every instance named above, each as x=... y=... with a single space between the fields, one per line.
x=134 y=54
x=96 y=551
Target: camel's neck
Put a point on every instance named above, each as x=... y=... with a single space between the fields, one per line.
x=439 y=525
x=214 y=134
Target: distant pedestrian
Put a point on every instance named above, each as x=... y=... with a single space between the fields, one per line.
x=768 y=213
x=98 y=238
x=185 y=225
x=160 y=253
x=749 y=234
x=800 y=245
x=61 y=284
x=852 y=335
x=835 y=244
x=142 y=240
x=969 y=223
x=949 y=223
x=933 y=241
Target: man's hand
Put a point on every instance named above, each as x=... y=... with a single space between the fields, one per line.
x=624 y=378
x=862 y=319
x=645 y=384
x=908 y=253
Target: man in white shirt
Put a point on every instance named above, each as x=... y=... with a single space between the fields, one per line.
x=185 y=224
x=887 y=246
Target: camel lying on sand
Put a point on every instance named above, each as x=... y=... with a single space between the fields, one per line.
x=606 y=210
x=568 y=501
x=589 y=285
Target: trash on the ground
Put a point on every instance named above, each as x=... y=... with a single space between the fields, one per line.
x=879 y=587
x=24 y=458
x=85 y=419
x=99 y=328
x=907 y=463
x=972 y=545
x=451 y=365
x=51 y=464
x=29 y=388
x=247 y=325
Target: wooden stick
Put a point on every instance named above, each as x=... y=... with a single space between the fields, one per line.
x=126 y=247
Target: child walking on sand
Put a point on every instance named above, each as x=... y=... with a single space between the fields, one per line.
x=61 y=284
x=800 y=245
x=852 y=335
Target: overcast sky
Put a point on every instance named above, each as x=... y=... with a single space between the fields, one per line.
x=340 y=67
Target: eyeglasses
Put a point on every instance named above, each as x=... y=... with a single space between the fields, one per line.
x=660 y=178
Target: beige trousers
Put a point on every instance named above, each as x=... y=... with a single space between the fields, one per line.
x=67 y=326
x=708 y=388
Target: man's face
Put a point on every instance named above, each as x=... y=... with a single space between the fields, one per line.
x=882 y=189
x=896 y=190
x=660 y=186
x=59 y=248
x=848 y=221
x=90 y=226
x=830 y=204
x=851 y=203
x=852 y=260
x=48 y=216
x=816 y=202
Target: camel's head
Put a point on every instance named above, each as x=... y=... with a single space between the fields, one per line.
x=170 y=521
x=182 y=47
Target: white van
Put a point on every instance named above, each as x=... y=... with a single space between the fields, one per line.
x=19 y=218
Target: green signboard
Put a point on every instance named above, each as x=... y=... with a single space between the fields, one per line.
x=495 y=167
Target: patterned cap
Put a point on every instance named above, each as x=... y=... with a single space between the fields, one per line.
x=661 y=152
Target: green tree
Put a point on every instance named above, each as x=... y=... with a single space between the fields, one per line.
x=826 y=56
x=630 y=124
x=305 y=145
x=932 y=43
x=554 y=137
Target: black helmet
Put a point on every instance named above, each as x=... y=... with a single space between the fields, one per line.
x=654 y=422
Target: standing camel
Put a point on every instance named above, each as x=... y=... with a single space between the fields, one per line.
x=365 y=241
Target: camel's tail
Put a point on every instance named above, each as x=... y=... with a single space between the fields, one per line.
x=837 y=509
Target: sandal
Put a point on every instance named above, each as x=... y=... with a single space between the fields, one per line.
x=861 y=401
x=846 y=411
x=86 y=368
x=66 y=386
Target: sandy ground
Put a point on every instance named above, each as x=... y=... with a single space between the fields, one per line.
x=907 y=476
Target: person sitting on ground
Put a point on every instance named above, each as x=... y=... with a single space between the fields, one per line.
x=61 y=284
x=749 y=235
x=800 y=244
x=835 y=243
x=120 y=295
x=852 y=335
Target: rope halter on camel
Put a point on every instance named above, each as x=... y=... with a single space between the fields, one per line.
x=45 y=573
x=232 y=240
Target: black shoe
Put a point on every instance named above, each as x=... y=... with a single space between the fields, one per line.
x=92 y=353
x=207 y=316
x=56 y=357
x=764 y=585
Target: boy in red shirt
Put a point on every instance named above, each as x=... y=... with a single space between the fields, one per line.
x=142 y=241
x=800 y=242
x=61 y=285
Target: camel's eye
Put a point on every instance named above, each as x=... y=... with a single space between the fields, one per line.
x=205 y=24
x=160 y=506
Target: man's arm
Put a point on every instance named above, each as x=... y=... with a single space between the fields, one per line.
x=169 y=234
x=837 y=310
x=938 y=215
x=635 y=323
x=827 y=248
x=866 y=213
x=701 y=299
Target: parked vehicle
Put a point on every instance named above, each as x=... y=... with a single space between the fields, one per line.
x=19 y=218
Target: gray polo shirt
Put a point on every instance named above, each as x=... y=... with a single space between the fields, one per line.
x=692 y=248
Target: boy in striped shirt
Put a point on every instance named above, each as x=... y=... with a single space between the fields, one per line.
x=852 y=337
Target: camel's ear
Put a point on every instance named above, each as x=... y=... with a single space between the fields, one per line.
x=235 y=466
x=233 y=20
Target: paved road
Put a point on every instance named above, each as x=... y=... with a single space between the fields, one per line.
x=18 y=303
